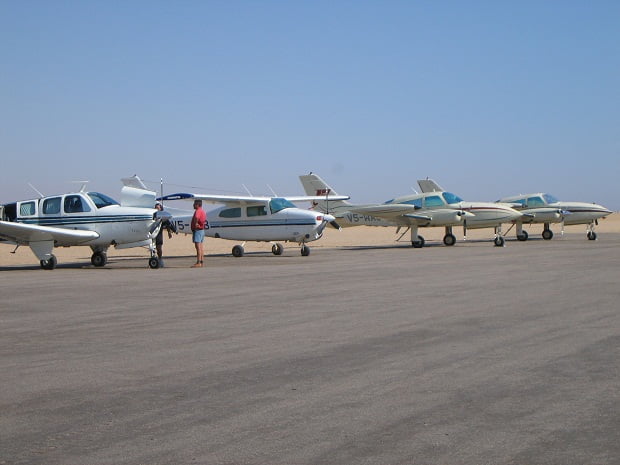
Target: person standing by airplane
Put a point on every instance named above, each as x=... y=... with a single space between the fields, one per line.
x=199 y=222
x=159 y=240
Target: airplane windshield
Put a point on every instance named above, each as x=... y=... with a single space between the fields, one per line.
x=278 y=203
x=549 y=198
x=450 y=198
x=102 y=200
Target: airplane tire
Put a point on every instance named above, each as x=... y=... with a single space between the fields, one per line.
x=277 y=249
x=154 y=263
x=237 y=251
x=305 y=250
x=449 y=239
x=523 y=236
x=547 y=234
x=418 y=244
x=499 y=241
x=592 y=235
x=49 y=264
x=99 y=259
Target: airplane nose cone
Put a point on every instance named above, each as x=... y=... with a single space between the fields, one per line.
x=329 y=218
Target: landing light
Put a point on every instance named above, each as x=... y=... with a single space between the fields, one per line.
x=319 y=218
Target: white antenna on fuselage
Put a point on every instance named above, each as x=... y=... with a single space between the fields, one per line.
x=247 y=190
x=36 y=190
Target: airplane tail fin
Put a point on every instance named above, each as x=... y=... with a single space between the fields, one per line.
x=314 y=185
x=429 y=185
x=135 y=194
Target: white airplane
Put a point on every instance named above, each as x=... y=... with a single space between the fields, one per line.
x=259 y=219
x=546 y=209
x=433 y=207
x=83 y=219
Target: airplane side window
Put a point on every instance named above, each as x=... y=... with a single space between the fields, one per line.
x=535 y=202
x=26 y=209
x=74 y=204
x=257 y=210
x=433 y=201
x=51 y=206
x=230 y=213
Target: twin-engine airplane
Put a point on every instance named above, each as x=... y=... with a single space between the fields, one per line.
x=546 y=209
x=433 y=207
x=259 y=219
x=86 y=219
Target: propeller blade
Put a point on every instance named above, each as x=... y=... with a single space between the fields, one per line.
x=335 y=225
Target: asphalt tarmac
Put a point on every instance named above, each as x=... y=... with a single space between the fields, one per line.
x=471 y=354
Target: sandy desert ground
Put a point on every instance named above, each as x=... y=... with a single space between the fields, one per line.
x=181 y=245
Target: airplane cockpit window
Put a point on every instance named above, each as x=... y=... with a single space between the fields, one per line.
x=550 y=199
x=230 y=213
x=74 y=204
x=433 y=201
x=27 y=209
x=278 y=203
x=257 y=210
x=535 y=202
x=102 y=200
x=51 y=206
x=451 y=198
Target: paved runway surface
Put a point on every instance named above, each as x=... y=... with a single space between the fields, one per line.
x=471 y=354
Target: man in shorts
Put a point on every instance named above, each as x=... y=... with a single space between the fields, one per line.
x=199 y=221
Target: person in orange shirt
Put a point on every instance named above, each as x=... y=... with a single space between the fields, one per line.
x=199 y=222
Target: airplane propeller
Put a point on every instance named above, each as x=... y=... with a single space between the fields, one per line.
x=159 y=217
x=331 y=221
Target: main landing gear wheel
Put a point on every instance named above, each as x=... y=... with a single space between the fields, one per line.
x=547 y=234
x=99 y=259
x=523 y=236
x=237 y=251
x=418 y=244
x=49 y=264
x=305 y=250
x=499 y=241
x=449 y=239
x=591 y=235
x=277 y=249
x=154 y=263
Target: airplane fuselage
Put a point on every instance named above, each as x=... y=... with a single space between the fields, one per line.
x=113 y=223
x=256 y=223
x=444 y=207
x=544 y=208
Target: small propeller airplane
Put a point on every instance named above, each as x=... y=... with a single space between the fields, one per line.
x=546 y=209
x=83 y=219
x=257 y=219
x=433 y=207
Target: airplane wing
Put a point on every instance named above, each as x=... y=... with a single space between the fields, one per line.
x=244 y=199
x=391 y=211
x=21 y=233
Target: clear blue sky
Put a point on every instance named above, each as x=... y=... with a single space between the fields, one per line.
x=490 y=98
